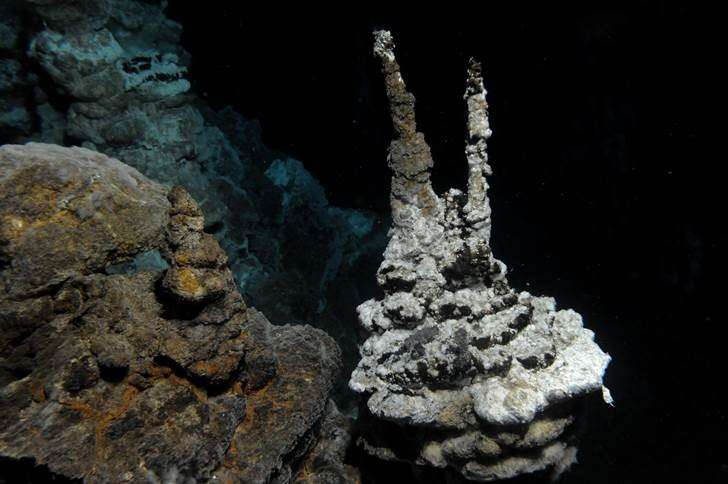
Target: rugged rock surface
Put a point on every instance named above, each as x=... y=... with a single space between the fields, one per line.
x=325 y=463
x=463 y=371
x=111 y=75
x=126 y=351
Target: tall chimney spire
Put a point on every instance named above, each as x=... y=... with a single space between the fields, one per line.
x=409 y=155
x=477 y=208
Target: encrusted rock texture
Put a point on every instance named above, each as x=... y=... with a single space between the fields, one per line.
x=127 y=353
x=461 y=370
x=112 y=76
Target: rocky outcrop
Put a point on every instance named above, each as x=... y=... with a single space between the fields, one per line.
x=126 y=351
x=325 y=463
x=460 y=370
x=15 y=119
x=111 y=75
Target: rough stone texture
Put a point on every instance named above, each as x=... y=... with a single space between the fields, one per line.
x=324 y=464
x=126 y=351
x=264 y=441
x=114 y=79
x=15 y=119
x=484 y=379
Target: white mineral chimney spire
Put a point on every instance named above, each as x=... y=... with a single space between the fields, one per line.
x=477 y=207
x=409 y=155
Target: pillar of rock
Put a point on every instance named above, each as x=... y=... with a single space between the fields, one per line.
x=482 y=378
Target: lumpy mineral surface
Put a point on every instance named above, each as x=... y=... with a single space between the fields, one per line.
x=484 y=378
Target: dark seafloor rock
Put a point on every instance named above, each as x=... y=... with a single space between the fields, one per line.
x=110 y=75
x=325 y=462
x=127 y=353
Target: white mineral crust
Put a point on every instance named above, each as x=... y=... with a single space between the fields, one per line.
x=452 y=348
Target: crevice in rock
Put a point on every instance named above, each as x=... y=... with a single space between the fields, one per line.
x=113 y=374
x=150 y=260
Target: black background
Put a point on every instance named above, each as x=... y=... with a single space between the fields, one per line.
x=605 y=194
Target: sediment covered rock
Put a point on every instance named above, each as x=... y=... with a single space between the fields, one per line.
x=463 y=371
x=126 y=351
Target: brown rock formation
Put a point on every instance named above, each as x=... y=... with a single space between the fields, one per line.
x=126 y=352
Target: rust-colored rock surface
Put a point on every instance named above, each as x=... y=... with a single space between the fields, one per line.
x=126 y=352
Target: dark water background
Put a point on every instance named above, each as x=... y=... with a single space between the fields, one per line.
x=605 y=195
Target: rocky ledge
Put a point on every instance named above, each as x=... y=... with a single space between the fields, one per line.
x=126 y=351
